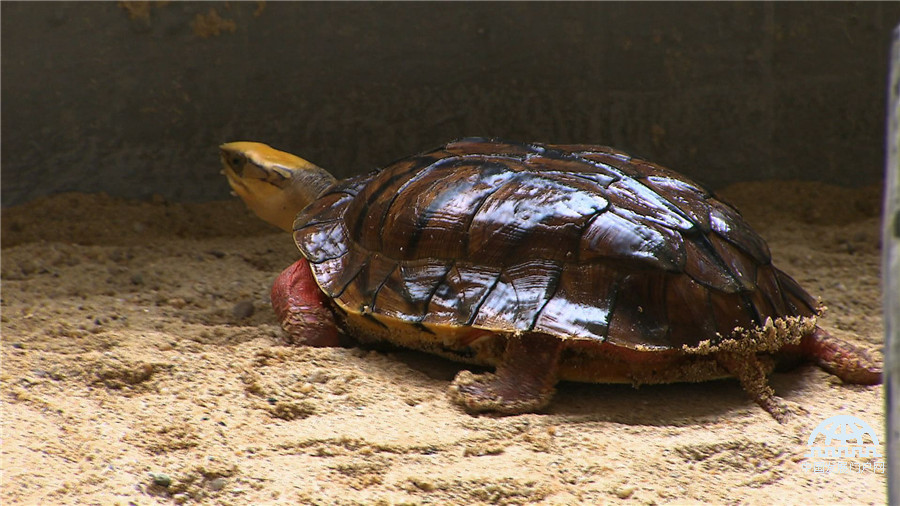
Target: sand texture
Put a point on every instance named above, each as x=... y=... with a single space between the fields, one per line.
x=141 y=364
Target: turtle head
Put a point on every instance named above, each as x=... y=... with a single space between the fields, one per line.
x=274 y=184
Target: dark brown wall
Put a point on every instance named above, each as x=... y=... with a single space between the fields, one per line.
x=106 y=97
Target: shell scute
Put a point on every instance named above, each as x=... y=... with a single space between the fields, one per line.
x=689 y=310
x=706 y=267
x=440 y=203
x=360 y=294
x=580 y=306
x=623 y=235
x=689 y=199
x=328 y=208
x=459 y=294
x=407 y=291
x=741 y=266
x=546 y=214
x=728 y=224
x=478 y=146
x=521 y=291
x=367 y=211
x=634 y=196
x=767 y=281
x=638 y=319
x=328 y=240
x=336 y=274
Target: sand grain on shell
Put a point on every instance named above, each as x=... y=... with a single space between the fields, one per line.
x=140 y=364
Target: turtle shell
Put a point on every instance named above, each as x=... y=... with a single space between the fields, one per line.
x=577 y=241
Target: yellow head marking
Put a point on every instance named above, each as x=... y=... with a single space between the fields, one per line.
x=274 y=184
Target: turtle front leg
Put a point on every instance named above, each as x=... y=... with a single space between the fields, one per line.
x=523 y=382
x=851 y=363
x=302 y=308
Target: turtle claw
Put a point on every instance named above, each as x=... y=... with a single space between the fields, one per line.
x=488 y=392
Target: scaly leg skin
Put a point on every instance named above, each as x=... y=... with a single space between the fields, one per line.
x=847 y=361
x=302 y=308
x=747 y=368
x=523 y=382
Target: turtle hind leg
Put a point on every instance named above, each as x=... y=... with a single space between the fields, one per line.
x=747 y=368
x=523 y=382
x=851 y=363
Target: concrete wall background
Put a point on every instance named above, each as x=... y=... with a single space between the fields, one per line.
x=133 y=98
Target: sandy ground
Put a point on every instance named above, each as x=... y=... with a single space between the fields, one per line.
x=141 y=365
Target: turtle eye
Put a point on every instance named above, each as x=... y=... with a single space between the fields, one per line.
x=236 y=160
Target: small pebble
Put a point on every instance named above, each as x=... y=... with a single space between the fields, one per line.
x=177 y=302
x=161 y=479
x=243 y=309
x=317 y=376
x=423 y=484
x=624 y=492
x=217 y=484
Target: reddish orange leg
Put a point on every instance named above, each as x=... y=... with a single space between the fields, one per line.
x=522 y=383
x=847 y=361
x=302 y=308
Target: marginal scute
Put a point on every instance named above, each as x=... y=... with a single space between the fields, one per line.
x=326 y=240
x=638 y=319
x=576 y=241
x=739 y=264
x=689 y=310
x=336 y=274
x=328 y=208
x=767 y=282
x=731 y=310
x=796 y=299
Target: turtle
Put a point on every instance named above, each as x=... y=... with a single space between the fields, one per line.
x=545 y=262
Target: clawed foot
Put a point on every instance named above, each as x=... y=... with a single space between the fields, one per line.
x=523 y=382
x=488 y=392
